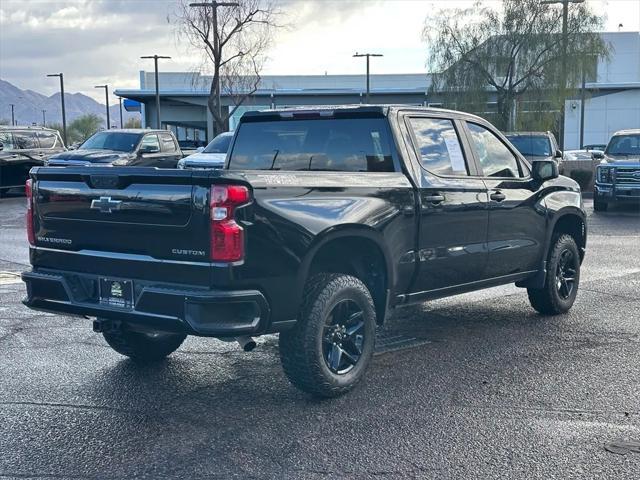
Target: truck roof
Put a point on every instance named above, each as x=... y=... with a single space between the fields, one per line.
x=135 y=130
x=629 y=131
x=371 y=109
x=527 y=134
x=26 y=127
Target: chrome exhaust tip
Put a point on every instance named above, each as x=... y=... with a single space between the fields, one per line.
x=246 y=343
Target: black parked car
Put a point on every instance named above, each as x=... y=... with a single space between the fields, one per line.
x=124 y=147
x=22 y=148
x=320 y=224
x=536 y=145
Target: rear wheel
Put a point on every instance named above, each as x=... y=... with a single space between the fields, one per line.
x=562 y=280
x=328 y=351
x=143 y=347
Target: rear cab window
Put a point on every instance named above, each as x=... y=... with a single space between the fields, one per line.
x=317 y=144
x=168 y=144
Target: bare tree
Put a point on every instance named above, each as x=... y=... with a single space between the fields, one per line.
x=234 y=41
x=515 y=52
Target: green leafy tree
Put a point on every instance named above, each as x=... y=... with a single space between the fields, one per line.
x=514 y=53
x=133 y=122
x=83 y=127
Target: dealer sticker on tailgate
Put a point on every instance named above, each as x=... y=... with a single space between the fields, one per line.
x=117 y=293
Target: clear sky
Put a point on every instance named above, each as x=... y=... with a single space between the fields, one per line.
x=98 y=41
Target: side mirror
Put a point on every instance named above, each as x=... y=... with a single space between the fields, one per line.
x=148 y=149
x=543 y=170
x=199 y=149
x=597 y=154
x=558 y=154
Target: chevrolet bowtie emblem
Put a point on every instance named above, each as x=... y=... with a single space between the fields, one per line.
x=105 y=204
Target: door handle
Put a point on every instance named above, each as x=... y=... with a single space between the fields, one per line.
x=497 y=196
x=435 y=198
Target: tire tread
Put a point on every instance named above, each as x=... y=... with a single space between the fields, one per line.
x=300 y=363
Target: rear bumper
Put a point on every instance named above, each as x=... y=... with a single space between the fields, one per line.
x=170 y=308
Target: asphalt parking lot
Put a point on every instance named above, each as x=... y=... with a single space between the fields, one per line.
x=492 y=390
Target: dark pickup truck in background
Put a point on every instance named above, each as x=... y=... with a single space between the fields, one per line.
x=321 y=223
x=618 y=174
x=123 y=148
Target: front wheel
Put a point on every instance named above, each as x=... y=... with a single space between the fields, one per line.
x=143 y=347
x=562 y=279
x=329 y=349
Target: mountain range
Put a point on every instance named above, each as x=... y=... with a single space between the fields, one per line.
x=29 y=105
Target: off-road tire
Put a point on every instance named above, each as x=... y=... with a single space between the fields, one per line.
x=548 y=300
x=143 y=347
x=301 y=348
x=599 y=205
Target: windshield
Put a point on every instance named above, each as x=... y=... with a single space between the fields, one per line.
x=120 y=142
x=220 y=144
x=624 y=145
x=346 y=144
x=534 y=145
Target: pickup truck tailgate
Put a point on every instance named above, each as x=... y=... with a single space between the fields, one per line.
x=157 y=219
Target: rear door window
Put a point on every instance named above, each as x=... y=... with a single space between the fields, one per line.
x=25 y=140
x=47 y=139
x=168 y=144
x=333 y=144
x=439 y=146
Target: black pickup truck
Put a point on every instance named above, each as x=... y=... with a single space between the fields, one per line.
x=321 y=223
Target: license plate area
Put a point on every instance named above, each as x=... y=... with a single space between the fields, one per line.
x=116 y=293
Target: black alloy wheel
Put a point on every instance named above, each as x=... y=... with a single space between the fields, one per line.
x=344 y=337
x=566 y=273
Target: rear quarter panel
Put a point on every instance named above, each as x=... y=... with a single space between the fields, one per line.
x=295 y=213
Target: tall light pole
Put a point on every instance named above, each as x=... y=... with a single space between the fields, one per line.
x=13 y=117
x=155 y=62
x=106 y=96
x=563 y=65
x=368 y=55
x=213 y=5
x=64 y=115
x=44 y=117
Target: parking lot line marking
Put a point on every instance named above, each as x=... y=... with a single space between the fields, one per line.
x=7 y=278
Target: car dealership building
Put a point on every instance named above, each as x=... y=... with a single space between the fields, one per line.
x=611 y=99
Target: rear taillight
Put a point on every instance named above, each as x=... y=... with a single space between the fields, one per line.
x=29 y=194
x=227 y=237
